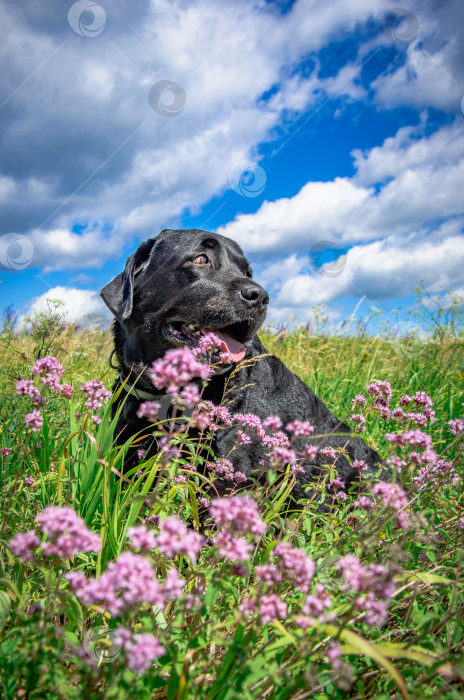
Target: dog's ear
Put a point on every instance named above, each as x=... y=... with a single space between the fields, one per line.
x=118 y=295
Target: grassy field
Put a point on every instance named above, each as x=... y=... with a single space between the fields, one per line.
x=366 y=601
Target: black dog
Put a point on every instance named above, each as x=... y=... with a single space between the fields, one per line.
x=186 y=280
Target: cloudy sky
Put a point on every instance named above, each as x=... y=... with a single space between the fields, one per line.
x=325 y=136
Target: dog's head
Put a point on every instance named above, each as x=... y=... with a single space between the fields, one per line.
x=179 y=285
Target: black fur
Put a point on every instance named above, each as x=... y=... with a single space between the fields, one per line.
x=161 y=282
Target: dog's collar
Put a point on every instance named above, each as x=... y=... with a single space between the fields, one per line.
x=138 y=393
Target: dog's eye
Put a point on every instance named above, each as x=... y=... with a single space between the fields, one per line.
x=201 y=259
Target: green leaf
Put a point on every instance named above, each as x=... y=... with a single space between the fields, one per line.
x=5 y=608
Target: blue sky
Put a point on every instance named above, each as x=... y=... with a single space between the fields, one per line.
x=119 y=120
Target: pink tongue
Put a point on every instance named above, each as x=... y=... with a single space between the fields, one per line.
x=232 y=347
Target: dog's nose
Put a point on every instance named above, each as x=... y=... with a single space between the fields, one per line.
x=254 y=295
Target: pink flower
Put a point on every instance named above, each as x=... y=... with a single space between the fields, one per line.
x=149 y=410
x=310 y=451
x=237 y=514
x=66 y=390
x=141 y=453
x=316 y=604
x=358 y=419
x=67 y=533
x=359 y=464
x=456 y=426
x=232 y=548
x=96 y=394
x=273 y=423
x=178 y=367
x=268 y=573
x=295 y=565
x=271 y=607
x=5 y=451
x=243 y=438
x=51 y=370
x=25 y=387
x=380 y=389
x=190 y=394
x=141 y=650
x=391 y=494
x=142 y=538
x=127 y=582
x=29 y=480
x=299 y=428
x=24 y=544
x=175 y=538
x=333 y=654
x=359 y=400
x=375 y=610
x=34 y=420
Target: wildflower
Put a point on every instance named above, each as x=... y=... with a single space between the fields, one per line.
x=203 y=502
x=391 y=494
x=67 y=533
x=178 y=367
x=456 y=426
x=248 y=419
x=333 y=654
x=328 y=452
x=352 y=571
x=180 y=479
x=190 y=394
x=34 y=420
x=268 y=573
x=203 y=415
x=141 y=453
x=51 y=371
x=172 y=585
x=359 y=400
x=295 y=565
x=24 y=544
x=359 y=464
x=4 y=451
x=170 y=451
x=175 y=538
x=310 y=451
x=273 y=423
x=149 y=410
x=316 y=603
x=25 y=387
x=358 y=419
x=299 y=428
x=420 y=398
x=127 y=582
x=380 y=390
x=375 y=610
x=363 y=502
x=96 y=394
x=297 y=469
x=29 y=480
x=271 y=607
x=66 y=390
x=237 y=514
x=141 y=650
x=247 y=606
x=142 y=538
x=282 y=456
x=232 y=548
x=96 y=420
x=243 y=438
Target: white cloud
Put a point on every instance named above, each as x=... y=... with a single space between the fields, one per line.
x=78 y=303
x=422 y=184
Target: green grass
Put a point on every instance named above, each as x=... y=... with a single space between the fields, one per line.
x=213 y=650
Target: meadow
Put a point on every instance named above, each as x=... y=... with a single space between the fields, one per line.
x=147 y=585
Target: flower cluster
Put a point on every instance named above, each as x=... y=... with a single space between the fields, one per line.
x=178 y=367
x=374 y=581
x=127 y=582
x=96 y=394
x=295 y=565
x=394 y=497
x=314 y=608
x=174 y=537
x=141 y=649
x=237 y=514
x=66 y=533
x=209 y=343
x=225 y=469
